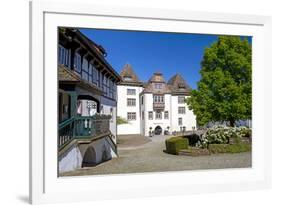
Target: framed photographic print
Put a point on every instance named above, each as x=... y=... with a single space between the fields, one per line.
x=123 y=97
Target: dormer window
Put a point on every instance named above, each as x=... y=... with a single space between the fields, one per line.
x=158 y=86
x=127 y=78
x=181 y=86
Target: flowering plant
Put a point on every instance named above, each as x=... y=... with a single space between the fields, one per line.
x=222 y=135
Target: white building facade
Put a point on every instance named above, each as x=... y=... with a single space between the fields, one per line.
x=153 y=108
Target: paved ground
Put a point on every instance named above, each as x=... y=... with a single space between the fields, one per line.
x=131 y=141
x=146 y=155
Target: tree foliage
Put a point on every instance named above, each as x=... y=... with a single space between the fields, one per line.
x=224 y=92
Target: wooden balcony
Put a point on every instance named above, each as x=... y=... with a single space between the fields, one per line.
x=158 y=105
x=82 y=127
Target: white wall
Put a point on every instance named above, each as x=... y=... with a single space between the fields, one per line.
x=108 y=104
x=133 y=126
x=72 y=159
x=188 y=119
x=148 y=106
x=171 y=105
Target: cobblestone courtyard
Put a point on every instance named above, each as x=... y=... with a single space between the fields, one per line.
x=141 y=154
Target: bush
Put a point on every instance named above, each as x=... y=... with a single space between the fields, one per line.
x=245 y=132
x=175 y=144
x=121 y=121
x=223 y=134
x=229 y=148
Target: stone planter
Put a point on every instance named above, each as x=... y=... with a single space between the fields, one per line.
x=193 y=152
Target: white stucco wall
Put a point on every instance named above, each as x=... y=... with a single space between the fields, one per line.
x=107 y=104
x=71 y=160
x=188 y=119
x=140 y=126
x=148 y=106
x=171 y=105
x=133 y=127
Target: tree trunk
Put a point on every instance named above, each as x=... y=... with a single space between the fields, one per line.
x=232 y=123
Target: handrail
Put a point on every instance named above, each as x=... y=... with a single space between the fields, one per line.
x=112 y=143
x=66 y=122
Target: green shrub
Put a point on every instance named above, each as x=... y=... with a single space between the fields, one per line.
x=175 y=144
x=121 y=121
x=229 y=148
x=245 y=132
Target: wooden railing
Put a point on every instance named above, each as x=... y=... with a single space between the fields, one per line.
x=91 y=126
x=111 y=143
x=82 y=127
x=66 y=132
x=158 y=105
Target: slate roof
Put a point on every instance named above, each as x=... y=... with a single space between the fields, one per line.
x=178 y=85
x=157 y=78
x=129 y=77
x=150 y=86
x=175 y=86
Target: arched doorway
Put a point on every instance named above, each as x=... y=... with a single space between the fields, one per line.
x=87 y=105
x=89 y=159
x=158 y=130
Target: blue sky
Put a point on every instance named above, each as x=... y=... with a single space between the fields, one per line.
x=149 y=52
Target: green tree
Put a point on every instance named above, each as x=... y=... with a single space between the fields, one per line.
x=224 y=92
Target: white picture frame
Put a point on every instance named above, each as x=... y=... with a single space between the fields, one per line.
x=46 y=187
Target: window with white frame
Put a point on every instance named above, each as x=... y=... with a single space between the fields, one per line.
x=181 y=99
x=131 y=102
x=180 y=121
x=142 y=115
x=158 y=98
x=150 y=115
x=127 y=78
x=131 y=116
x=158 y=86
x=166 y=115
x=131 y=91
x=142 y=100
x=158 y=115
x=181 y=110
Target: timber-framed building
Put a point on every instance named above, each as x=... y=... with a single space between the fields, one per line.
x=87 y=102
